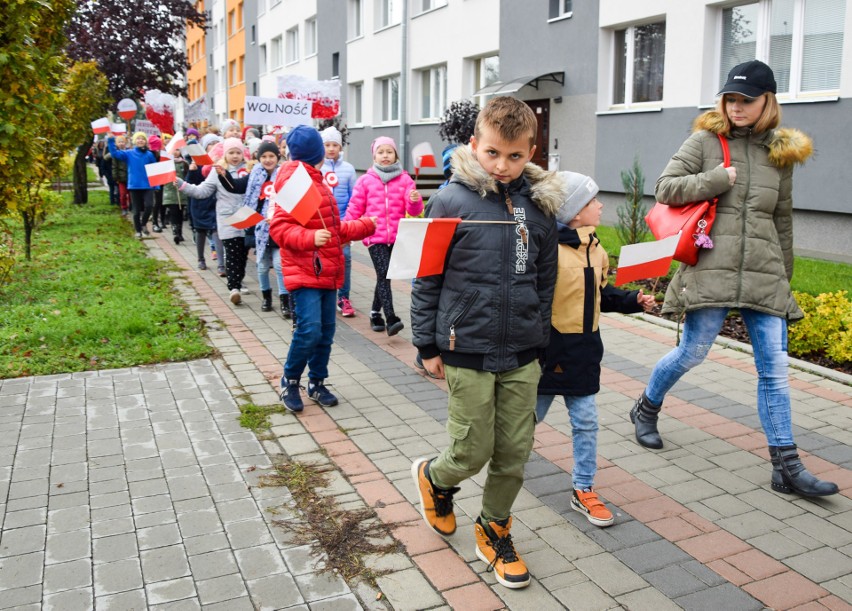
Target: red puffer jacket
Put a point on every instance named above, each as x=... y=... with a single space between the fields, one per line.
x=303 y=264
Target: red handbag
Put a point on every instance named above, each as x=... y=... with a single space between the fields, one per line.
x=693 y=221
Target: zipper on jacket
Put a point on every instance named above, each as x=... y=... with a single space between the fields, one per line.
x=744 y=212
x=387 y=213
x=511 y=209
x=506 y=273
x=458 y=318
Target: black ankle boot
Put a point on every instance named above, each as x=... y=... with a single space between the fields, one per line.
x=644 y=415
x=285 y=305
x=266 y=304
x=790 y=476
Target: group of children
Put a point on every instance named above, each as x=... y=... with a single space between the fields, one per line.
x=511 y=323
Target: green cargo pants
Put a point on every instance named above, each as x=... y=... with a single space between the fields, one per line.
x=491 y=418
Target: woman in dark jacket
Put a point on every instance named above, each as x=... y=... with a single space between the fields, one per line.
x=749 y=267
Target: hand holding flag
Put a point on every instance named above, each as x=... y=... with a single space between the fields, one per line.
x=645 y=260
x=297 y=194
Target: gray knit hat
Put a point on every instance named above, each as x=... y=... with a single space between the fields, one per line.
x=581 y=189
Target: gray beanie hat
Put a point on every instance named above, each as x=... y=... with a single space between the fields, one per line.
x=580 y=189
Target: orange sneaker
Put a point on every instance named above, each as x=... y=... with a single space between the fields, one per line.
x=499 y=552
x=436 y=504
x=589 y=504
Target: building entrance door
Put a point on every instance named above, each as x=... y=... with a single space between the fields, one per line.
x=541 y=108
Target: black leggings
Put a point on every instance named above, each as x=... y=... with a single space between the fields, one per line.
x=141 y=202
x=174 y=214
x=159 y=213
x=235 y=261
x=382 y=296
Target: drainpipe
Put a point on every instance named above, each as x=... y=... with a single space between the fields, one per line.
x=403 y=89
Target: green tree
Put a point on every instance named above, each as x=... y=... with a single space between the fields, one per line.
x=631 y=227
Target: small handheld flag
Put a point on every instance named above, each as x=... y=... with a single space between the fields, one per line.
x=101 y=126
x=118 y=129
x=423 y=157
x=161 y=173
x=645 y=260
x=298 y=195
x=198 y=155
x=175 y=144
x=421 y=247
x=244 y=218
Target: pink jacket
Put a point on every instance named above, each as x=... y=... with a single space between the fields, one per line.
x=387 y=202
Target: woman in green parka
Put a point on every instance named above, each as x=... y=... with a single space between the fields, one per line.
x=749 y=265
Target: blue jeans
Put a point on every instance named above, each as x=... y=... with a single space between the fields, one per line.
x=316 y=311
x=584 y=435
x=343 y=291
x=271 y=258
x=768 y=335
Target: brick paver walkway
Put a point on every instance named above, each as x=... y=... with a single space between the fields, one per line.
x=135 y=487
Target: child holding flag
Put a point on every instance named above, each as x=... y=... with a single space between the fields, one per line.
x=572 y=359
x=312 y=261
x=232 y=165
x=388 y=193
x=141 y=193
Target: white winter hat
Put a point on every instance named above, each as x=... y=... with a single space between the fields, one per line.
x=331 y=134
x=581 y=189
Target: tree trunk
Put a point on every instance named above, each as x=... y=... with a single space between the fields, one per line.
x=81 y=186
x=28 y=235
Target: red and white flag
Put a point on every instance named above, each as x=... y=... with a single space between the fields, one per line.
x=244 y=218
x=118 y=129
x=161 y=173
x=175 y=144
x=198 y=155
x=645 y=260
x=101 y=126
x=299 y=195
x=423 y=156
x=421 y=247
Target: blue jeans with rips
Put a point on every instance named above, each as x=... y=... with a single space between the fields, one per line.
x=315 y=313
x=768 y=336
x=584 y=435
x=271 y=258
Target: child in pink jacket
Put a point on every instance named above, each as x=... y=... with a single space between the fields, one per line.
x=387 y=193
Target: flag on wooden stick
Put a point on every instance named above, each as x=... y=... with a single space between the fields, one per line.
x=421 y=247
x=423 y=157
x=645 y=260
x=244 y=218
x=161 y=173
x=299 y=195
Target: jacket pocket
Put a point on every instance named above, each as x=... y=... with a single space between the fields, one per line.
x=459 y=312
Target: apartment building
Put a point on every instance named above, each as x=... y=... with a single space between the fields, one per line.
x=609 y=80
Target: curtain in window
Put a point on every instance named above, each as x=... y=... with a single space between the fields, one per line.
x=822 y=45
x=648 y=62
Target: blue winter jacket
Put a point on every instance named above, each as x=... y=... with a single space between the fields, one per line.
x=136 y=160
x=346 y=177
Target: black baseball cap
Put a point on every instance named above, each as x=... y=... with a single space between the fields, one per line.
x=751 y=79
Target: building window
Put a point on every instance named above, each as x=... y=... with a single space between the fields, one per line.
x=262 y=60
x=388 y=12
x=389 y=96
x=241 y=69
x=433 y=92
x=638 y=67
x=292 y=45
x=335 y=65
x=486 y=72
x=311 y=36
x=232 y=73
x=253 y=35
x=561 y=8
x=356 y=16
x=276 y=56
x=801 y=41
x=232 y=23
x=240 y=19
x=356 y=92
x=428 y=5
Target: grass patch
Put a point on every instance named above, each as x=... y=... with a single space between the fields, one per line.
x=91 y=175
x=256 y=417
x=91 y=298
x=346 y=538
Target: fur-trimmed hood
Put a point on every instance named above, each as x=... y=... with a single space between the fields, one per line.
x=547 y=190
x=787 y=146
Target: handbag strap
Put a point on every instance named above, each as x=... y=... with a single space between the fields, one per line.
x=726 y=152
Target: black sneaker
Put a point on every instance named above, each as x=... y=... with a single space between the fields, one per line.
x=318 y=393
x=377 y=323
x=395 y=325
x=157 y=229
x=291 y=397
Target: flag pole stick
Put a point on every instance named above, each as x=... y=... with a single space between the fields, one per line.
x=492 y=222
x=227 y=179
x=322 y=220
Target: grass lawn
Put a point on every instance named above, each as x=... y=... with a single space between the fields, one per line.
x=811 y=276
x=91 y=175
x=91 y=299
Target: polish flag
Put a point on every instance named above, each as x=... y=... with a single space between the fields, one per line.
x=244 y=218
x=161 y=173
x=198 y=155
x=101 y=126
x=175 y=144
x=299 y=195
x=118 y=128
x=421 y=247
x=645 y=260
x=423 y=156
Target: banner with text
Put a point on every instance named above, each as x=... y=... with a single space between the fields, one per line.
x=147 y=127
x=324 y=94
x=277 y=111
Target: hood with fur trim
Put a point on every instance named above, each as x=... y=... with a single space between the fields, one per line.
x=547 y=190
x=787 y=146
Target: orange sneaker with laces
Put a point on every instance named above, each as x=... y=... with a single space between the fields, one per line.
x=587 y=502
x=499 y=552
x=436 y=504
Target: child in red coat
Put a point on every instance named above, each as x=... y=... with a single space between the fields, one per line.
x=313 y=268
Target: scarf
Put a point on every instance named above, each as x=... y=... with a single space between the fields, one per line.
x=388 y=172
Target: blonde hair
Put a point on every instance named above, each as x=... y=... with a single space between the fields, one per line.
x=509 y=117
x=770 y=118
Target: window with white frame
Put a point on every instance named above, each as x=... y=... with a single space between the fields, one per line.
x=486 y=71
x=561 y=8
x=292 y=45
x=388 y=12
x=433 y=92
x=389 y=98
x=311 y=36
x=356 y=18
x=638 y=65
x=356 y=100
x=802 y=41
x=428 y=5
x=262 y=61
x=276 y=56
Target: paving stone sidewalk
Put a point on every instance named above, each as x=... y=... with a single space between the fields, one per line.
x=697 y=526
